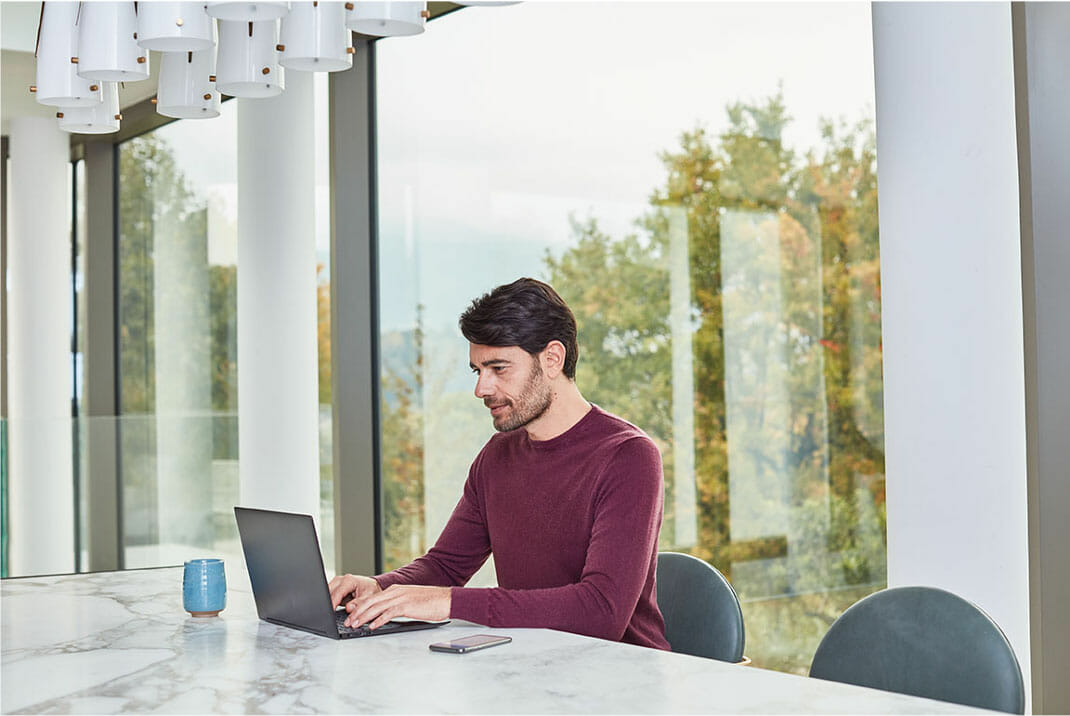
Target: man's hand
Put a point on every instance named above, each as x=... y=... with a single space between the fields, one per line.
x=427 y=603
x=351 y=586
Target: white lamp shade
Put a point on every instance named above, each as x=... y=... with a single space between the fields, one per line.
x=186 y=90
x=387 y=19
x=314 y=38
x=107 y=43
x=174 y=26
x=58 y=83
x=248 y=11
x=101 y=118
x=247 y=63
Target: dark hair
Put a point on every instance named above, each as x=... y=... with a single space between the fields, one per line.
x=525 y=313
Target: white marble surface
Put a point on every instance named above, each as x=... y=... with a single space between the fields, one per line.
x=120 y=642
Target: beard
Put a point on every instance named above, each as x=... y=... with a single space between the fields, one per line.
x=530 y=405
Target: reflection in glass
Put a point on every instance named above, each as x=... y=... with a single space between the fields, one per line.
x=715 y=235
x=177 y=344
x=178 y=383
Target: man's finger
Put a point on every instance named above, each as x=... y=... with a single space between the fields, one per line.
x=372 y=607
x=337 y=591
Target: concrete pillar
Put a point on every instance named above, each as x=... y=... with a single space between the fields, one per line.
x=41 y=488
x=278 y=432
x=951 y=287
x=1042 y=74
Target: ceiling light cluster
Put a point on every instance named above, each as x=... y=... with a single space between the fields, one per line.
x=84 y=49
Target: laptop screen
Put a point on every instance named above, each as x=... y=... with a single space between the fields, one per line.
x=285 y=566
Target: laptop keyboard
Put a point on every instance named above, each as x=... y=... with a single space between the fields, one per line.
x=348 y=631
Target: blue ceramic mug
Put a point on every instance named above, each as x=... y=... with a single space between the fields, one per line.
x=204 y=587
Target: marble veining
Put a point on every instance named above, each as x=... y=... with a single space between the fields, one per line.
x=120 y=642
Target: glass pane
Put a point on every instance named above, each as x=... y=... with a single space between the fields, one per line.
x=323 y=315
x=705 y=200
x=178 y=337
x=81 y=456
x=177 y=340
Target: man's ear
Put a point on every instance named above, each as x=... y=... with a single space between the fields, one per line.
x=553 y=359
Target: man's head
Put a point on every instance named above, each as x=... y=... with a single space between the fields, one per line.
x=525 y=313
x=523 y=340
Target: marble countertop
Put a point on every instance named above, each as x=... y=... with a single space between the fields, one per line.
x=120 y=642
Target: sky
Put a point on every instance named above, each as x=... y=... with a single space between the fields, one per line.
x=498 y=123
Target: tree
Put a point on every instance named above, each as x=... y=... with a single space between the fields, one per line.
x=402 y=458
x=785 y=305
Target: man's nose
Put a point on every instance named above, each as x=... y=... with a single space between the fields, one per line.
x=483 y=389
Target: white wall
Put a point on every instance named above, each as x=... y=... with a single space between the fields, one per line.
x=952 y=306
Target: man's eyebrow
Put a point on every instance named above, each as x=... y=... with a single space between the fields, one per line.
x=491 y=362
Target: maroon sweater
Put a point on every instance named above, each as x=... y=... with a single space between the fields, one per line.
x=573 y=524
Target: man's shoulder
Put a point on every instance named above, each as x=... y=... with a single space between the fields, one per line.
x=607 y=426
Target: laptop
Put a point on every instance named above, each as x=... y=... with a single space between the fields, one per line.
x=289 y=584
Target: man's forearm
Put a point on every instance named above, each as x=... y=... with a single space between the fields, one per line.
x=584 y=608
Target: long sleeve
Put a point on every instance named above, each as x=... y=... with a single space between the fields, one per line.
x=617 y=569
x=460 y=551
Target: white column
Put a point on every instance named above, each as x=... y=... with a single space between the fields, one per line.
x=951 y=287
x=40 y=483
x=278 y=431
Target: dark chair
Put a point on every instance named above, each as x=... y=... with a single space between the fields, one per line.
x=925 y=642
x=701 y=610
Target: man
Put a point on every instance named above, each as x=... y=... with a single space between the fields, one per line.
x=567 y=497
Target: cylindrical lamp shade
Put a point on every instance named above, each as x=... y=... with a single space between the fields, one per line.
x=107 y=43
x=247 y=63
x=102 y=118
x=58 y=83
x=186 y=90
x=174 y=26
x=314 y=38
x=387 y=19
x=248 y=11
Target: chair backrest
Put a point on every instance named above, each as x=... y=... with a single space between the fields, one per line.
x=925 y=642
x=701 y=610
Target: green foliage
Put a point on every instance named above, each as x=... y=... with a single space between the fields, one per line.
x=402 y=458
x=785 y=314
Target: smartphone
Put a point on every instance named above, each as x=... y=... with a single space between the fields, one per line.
x=470 y=643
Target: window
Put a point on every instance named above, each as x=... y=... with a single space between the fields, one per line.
x=698 y=181
x=178 y=372
x=177 y=271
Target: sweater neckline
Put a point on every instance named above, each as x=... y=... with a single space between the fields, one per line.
x=568 y=437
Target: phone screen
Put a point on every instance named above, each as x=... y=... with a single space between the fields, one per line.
x=470 y=643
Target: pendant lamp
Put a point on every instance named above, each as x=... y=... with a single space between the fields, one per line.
x=248 y=11
x=386 y=19
x=174 y=26
x=186 y=90
x=58 y=83
x=102 y=118
x=314 y=38
x=107 y=43
x=247 y=63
